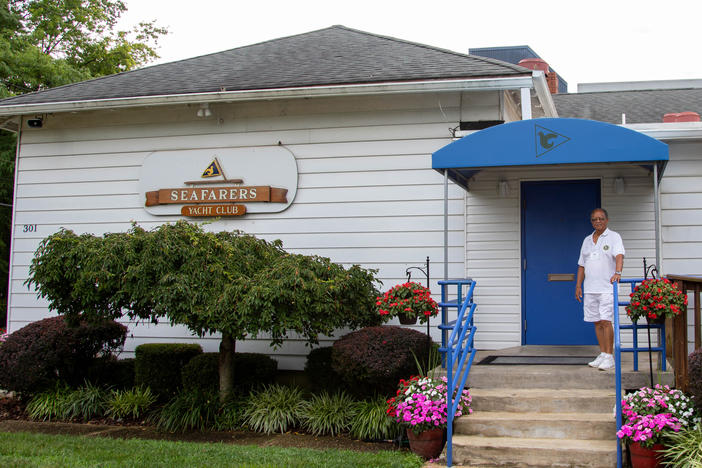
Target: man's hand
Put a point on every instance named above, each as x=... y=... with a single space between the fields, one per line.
x=579 y=293
x=615 y=277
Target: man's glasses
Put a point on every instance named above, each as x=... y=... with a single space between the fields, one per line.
x=597 y=219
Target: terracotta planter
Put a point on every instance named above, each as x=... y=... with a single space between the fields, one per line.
x=427 y=444
x=643 y=457
x=407 y=320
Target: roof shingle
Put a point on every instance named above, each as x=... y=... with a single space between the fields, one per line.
x=333 y=56
x=646 y=106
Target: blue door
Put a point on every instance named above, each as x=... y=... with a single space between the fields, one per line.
x=555 y=220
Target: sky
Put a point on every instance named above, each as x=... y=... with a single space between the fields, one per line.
x=585 y=41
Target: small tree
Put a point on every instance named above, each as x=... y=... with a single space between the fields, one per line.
x=226 y=282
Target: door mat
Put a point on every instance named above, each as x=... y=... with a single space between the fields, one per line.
x=536 y=360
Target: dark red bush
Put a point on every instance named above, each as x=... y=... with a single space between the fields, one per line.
x=372 y=360
x=694 y=375
x=38 y=355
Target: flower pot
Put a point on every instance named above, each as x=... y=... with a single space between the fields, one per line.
x=646 y=457
x=406 y=319
x=656 y=321
x=427 y=444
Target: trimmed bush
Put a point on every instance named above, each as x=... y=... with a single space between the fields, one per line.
x=158 y=366
x=112 y=373
x=35 y=357
x=694 y=375
x=371 y=361
x=320 y=372
x=250 y=370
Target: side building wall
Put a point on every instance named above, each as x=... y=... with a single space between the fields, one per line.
x=366 y=190
x=681 y=215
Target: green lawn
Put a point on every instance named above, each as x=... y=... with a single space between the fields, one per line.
x=39 y=450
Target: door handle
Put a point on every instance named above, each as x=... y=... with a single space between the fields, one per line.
x=561 y=276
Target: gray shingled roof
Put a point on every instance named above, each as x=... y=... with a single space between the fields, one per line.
x=333 y=56
x=639 y=106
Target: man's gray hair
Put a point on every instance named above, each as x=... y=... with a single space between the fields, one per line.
x=602 y=210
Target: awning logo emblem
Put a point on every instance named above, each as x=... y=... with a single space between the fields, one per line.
x=547 y=140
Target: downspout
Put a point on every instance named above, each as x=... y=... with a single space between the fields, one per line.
x=657 y=217
x=10 y=267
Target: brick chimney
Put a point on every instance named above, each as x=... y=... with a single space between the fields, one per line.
x=686 y=116
x=538 y=64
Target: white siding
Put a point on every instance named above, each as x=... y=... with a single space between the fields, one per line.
x=367 y=193
x=681 y=215
x=493 y=242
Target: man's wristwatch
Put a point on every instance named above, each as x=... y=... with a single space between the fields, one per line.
x=618 y=273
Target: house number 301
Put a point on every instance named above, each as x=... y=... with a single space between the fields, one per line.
x=29 y=228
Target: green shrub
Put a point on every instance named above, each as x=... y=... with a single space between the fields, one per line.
x=112 y=373
x=372 y=360
x=85 y=403
x=684 y=448
x=694 y=375
x=49 y=405
x=250 y=370
x=320 y=372
x=130 y=404
x=37 y=356
x=371 y=421
x=189 y=411
x=327 y=414
x=231 y=415
x=158 y=366
x=274 y=408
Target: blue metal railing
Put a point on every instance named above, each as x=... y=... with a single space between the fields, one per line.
x=635 y=349
x=457 y=349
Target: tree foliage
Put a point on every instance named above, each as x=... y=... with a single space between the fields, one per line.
x=226 y=282
x=47 y=43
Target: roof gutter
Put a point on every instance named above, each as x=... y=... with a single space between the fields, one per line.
x=482 y=84
x=544 y=94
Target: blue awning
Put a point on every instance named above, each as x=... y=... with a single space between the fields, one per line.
x=547 y=142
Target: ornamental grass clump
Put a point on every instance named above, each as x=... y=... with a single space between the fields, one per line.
x=650 y=414
x=408 y=299
x=421 y=404
x=655 y=299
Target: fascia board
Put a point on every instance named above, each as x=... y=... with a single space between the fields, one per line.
x=483 y=84
x=669 y=131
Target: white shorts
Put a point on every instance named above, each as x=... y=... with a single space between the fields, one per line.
x=598 y=307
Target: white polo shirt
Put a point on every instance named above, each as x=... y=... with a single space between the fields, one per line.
x=600 y=261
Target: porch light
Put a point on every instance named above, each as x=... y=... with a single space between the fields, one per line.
x=204 y=110
x=503 y=188
x=619 y=185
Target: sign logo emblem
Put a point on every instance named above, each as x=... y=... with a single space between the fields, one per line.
x=213 y=170
x=547 y=140
x=606 y=247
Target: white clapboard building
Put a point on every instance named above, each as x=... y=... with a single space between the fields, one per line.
x=336 y=142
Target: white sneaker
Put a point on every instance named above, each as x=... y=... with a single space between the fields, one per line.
x=607 y=362
x=597 y=361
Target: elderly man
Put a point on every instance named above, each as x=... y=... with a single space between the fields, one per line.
x=600 y=265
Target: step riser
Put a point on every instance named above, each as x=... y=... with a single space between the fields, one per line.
x=521 y=404
x=519 y=457
x=561 y=380
x=583 y=430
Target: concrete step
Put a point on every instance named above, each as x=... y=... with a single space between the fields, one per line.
x=514 y=452
x=543 y=400
x=583 y=426
x=557 y=377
